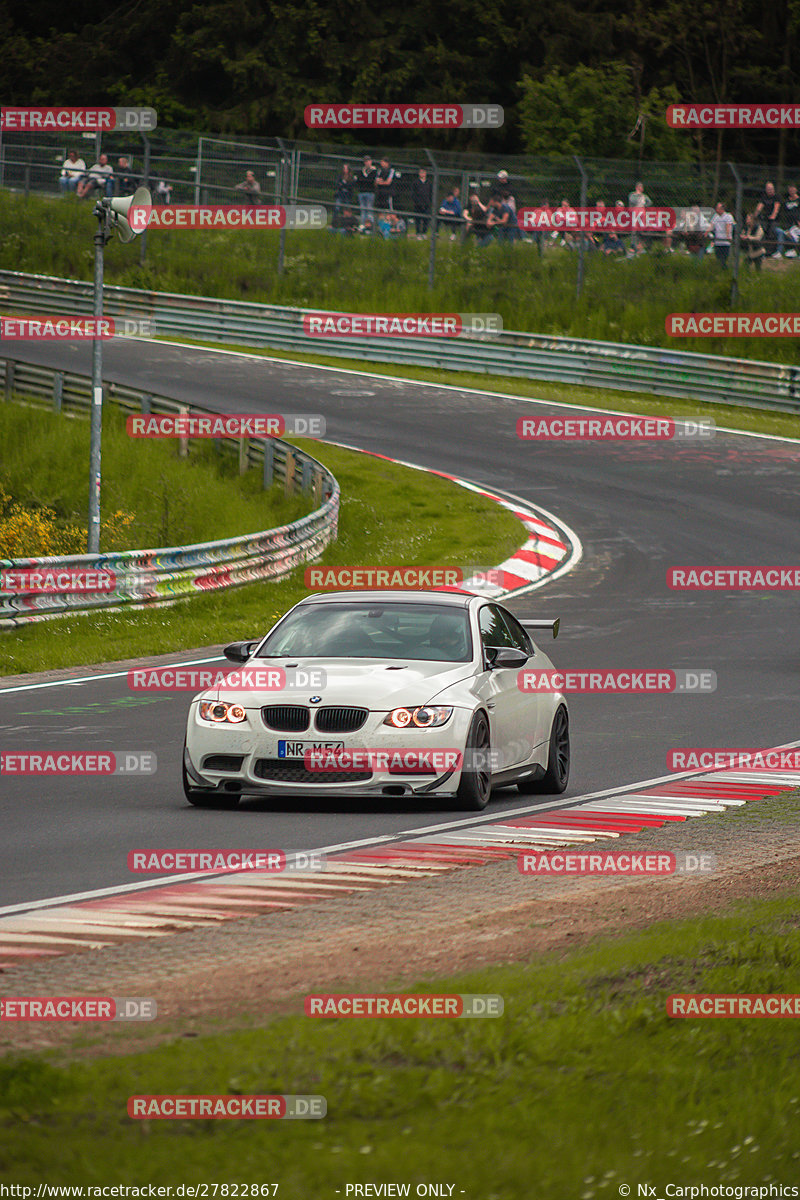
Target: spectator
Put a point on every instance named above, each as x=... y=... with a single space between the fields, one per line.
x=450 y=212
x=421 y=200
x=500 y=187
x=162 y=193
x=570 y=240
x=695 y=231
x=752 y=239
x=347 y=224
x=789 y=219
x=251 y=188
x=127 y=183
x=72 y=170
x=476 y=217
x=100 y=178
x=502 y=222
x=365 y=186
x=343 y=193
x=722 y=233
x=767 y=209
x=638 y=198
x=384 y=186
x=391 y=226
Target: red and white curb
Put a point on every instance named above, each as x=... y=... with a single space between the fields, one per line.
x=112 y=917
x=552 y=548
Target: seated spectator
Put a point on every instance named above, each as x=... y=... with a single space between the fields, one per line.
x=568 y=239
x=72 y=170
x=790 y=219
x=346 y=224
x=612 y=242
x=251 y=188
x=162 y=192
x=99 y=178
x=126 y=182
x=421 y=199
x=366 y=226
x=695 y=231
x=391 y=226
x=384 y=186
x=476 y=217
x=752 y=239
x=451 y=214
x=501 y=221
x=343 y=194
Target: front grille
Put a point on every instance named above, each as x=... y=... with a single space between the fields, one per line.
x=340 y=720
x=223 y=762
x=285 y=718
x=279 y=770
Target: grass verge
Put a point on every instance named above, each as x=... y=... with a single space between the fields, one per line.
x=390 y=515
x=582 y=1086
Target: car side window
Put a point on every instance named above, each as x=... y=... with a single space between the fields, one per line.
x=494 y=631
x=521 y=639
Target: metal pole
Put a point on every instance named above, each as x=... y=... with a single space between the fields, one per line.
x=434 y=224
x=581 y=242
x=197 y=175
x=284 y=191
x=145 y=183
x=101 y=237
x=735 y=248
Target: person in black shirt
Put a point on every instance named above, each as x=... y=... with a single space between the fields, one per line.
x=343 y=193
x=768 y=210
x=365 y=186
x=477 y=213
x=384 y=186
x=421 y=200
x=789 y=218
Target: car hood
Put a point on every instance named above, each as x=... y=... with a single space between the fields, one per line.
x=377 y=684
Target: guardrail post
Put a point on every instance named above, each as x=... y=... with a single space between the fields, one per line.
x=9 y=388
x=306 y=476
x=147 y=404
x=183 y=442
x=244 y=444
x=737 y=233
x=58 y=391
x=317 y=487
x=269 y=464
x=288 y=481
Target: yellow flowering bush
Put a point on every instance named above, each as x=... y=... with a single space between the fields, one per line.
x=39 y=533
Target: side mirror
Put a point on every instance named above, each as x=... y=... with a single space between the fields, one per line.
x=239 y=652
x=508 y=656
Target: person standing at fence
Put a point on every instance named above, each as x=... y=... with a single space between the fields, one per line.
x=251 y=188
x=476 y=216
x=768 y=210
x=72 y=169
x=791 y=221
x=343 y=193
x=638 y=198
x=365 y=185
x=722 y=233
x=384 y=186
x=125 y=180
x=451 y=213
x=421 y=202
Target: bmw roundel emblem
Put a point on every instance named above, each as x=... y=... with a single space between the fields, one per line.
x=316 y=699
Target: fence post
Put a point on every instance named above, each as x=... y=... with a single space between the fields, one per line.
x=582 y=240
x=183 y=442
x=285 y=166
x=244 y=446
x=58 y=391
x=288 y=482
x=737 y=229
x=145 y=183
x=198 y=170
x=269 y=464
x=434 y=220
x=306 y=477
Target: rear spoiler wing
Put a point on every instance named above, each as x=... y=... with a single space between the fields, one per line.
x=554 y=625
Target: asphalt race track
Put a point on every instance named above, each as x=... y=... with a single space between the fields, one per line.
x=638 y=509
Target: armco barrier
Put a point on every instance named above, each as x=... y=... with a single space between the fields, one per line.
x=148 y=578
x=665 y=372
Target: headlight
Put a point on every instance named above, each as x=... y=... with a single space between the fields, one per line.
x=220 y=712
x=418 y=718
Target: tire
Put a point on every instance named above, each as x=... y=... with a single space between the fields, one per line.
x=206 y=797
x=475 y=787
x=556 y=777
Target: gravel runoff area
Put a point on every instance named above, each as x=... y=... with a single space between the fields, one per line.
x=391 y=939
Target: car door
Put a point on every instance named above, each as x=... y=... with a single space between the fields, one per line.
x=512 y=722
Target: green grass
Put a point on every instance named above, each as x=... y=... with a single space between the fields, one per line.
x=624 y=301
x=389 y=515
x=174 y=501
x=584 y=1084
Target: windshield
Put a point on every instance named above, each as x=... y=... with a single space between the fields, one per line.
x=352 y=630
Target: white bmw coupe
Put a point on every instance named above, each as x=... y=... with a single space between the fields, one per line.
x=415 y=694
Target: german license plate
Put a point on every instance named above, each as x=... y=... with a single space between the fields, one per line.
x=300 y=749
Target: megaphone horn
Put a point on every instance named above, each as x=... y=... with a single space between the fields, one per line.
x=132 y=213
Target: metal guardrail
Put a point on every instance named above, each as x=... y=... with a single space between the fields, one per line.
x=615 y=365
x=151 y=578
